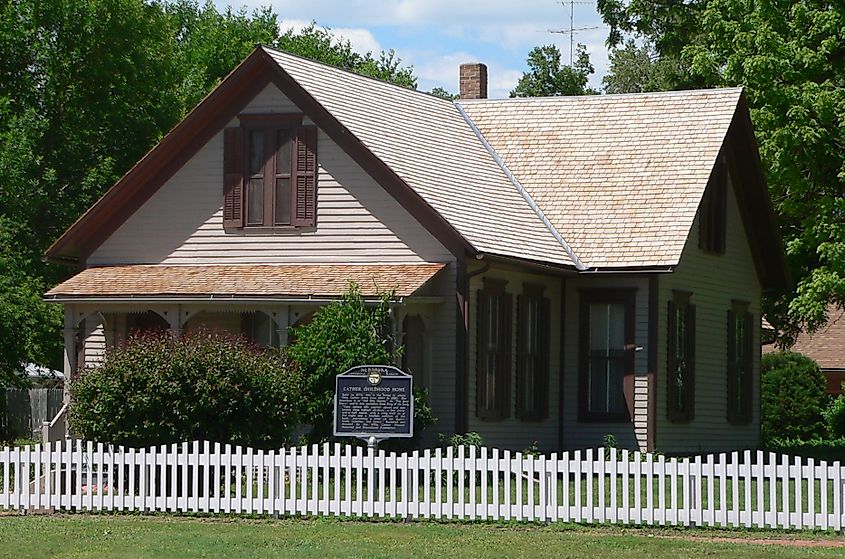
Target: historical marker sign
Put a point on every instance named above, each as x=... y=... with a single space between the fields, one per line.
x=374 y=401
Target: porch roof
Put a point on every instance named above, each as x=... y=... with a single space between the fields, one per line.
x=246 y=280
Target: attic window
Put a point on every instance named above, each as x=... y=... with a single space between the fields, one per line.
x=713 y=211
x=270 y=173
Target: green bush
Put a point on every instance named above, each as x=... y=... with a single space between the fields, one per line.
x=342 y=335
x=818 y=448
x=157 y=389
x=462 y=439
x=792 y=398
x=835 y=417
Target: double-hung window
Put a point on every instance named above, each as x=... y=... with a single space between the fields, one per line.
x=270 y=173
x=532 y=353
x=680 y=360
x=606 y=354
x=740 y=363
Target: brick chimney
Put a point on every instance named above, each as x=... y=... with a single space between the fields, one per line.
x=473 y=81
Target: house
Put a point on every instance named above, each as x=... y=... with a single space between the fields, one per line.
x=825 y=346
x=564 y=268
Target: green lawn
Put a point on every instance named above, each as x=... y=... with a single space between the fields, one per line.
x=160 y=537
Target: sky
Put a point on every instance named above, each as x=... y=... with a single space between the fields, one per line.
x=436 y=36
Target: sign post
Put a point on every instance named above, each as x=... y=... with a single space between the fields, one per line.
x=374 y=402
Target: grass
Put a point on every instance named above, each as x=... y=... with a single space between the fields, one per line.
x=90 y=537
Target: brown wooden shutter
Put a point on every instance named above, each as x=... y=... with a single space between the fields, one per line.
x=305 y=177
x=689 y=384
x=233 y=177
x=544 y=347
x=671 y=362
x=503 y=377
x=748 y=382
x=481 y=342
x=521 y=350
x=731 y=367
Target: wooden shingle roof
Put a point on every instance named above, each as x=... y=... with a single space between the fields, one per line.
x=288 y=280
x=620 y=176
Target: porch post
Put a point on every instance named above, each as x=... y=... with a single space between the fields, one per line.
x=281 y=318
x=174 y=319
x=70 y=332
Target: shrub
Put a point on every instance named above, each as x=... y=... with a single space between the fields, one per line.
x=835 y=417
x=792 y=398
x=818 y=448
x=342 y=335
x=462 y=439
x=157 y=389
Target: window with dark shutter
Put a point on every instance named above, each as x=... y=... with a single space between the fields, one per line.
x=740 y=363
x=270 y=173
x=493 y=355
x=712 y=219
x=680 y=360
x=532 y=353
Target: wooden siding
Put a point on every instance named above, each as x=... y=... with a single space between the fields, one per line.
x=357 y=221
x=632 y=434
x=94 y=344
x=714 y=280
x=511 y=432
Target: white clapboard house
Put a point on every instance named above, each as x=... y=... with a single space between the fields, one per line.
x=564 y=268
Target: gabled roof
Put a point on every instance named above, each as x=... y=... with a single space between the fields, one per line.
x=601 y=182
x=620 y=175
x=244 y=280
x=826 y=346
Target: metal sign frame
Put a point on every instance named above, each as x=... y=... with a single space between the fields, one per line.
x=374 y=375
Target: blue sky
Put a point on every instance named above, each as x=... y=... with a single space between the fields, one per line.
x=436 y=36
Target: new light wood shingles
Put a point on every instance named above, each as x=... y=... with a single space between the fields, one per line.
x=246 y=280
x=619 y=176
x=826 y=346
x=427 y=143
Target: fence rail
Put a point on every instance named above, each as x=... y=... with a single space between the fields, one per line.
x=739 y=489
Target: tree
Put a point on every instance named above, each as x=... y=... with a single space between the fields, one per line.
x=29 y=327
x=789 y=57
x=318 y=43
x=792 y=397
x=548 y=76
x=444 y=94
x=636 y=69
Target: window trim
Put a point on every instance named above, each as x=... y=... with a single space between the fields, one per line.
x=538 y=409
x=680 y=299
x=501 y=389
x=625 y=296
x=740 y=310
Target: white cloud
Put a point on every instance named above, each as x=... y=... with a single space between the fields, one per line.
x=362 y=40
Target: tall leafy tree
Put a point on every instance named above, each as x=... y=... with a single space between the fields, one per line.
x=547 y=75
x=790 y=57
x=637 y=69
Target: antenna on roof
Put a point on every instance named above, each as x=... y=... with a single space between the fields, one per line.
x=572 y=29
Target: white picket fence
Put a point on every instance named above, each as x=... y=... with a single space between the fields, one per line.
x=748 y=489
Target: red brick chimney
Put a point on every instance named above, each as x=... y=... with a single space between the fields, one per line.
x=473 y=81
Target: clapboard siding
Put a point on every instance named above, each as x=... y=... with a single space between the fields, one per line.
x=94 y=344
x=441 y=325
x=514 y=433
x=630 y=434
x=714 y=281
x=357 y=221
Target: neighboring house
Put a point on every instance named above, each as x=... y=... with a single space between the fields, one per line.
x=564 y=268
x=825 y=346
